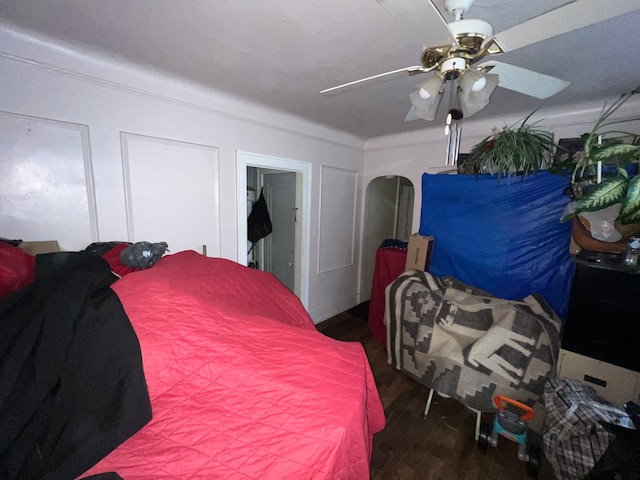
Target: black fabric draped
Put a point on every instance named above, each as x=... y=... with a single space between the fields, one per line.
x=72 y=387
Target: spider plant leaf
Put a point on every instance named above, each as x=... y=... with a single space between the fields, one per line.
x=610 y=191
x=511 y=151
x=630 y=208
x=619 y=151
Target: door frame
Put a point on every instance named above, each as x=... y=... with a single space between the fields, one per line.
x=248 y=159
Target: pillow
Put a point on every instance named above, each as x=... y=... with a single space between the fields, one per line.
x=17 y=269
x=112 y=256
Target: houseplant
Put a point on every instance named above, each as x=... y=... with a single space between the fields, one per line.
x=604 y=146
x=515 y=150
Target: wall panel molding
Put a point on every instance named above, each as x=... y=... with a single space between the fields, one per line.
x=337 y=222
x=172 y=193
x=40 y=154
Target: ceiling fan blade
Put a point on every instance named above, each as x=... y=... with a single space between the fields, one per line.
x=414 y=70
x=423 y=20
x=569 y=17
x=525 y=81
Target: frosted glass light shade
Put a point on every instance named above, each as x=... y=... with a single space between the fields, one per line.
x=430 y=87
x=425 y=109
x=473 y=95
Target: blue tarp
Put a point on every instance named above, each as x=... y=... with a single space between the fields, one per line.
x=503 y=237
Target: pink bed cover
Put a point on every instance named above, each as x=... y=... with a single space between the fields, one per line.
x=242 y=385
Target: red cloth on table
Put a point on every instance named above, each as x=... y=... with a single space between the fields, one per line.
x=389 y=264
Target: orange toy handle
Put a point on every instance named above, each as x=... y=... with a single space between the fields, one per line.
x=500 y=401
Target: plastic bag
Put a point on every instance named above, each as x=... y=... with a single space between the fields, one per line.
x=601 y=223
x=143 y=254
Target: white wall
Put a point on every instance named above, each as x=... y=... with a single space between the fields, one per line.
x=96 y=100
x=414 y=153
x=106 y=99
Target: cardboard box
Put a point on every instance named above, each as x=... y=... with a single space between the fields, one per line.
x=419 y=252
x=35 y=248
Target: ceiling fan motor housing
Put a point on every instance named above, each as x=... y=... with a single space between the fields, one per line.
x=471 y=27
x=470 y=34
x=450 y=68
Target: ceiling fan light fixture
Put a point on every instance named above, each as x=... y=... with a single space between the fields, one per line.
x=427 y=108
x=431 y=87
x=476 y=89
x=479 y=84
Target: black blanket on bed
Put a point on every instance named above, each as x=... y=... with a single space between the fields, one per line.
x=72 y=386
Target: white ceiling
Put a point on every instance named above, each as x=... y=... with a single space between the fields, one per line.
x=283 y=52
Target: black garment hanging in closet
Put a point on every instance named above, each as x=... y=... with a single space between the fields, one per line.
x=259 y=221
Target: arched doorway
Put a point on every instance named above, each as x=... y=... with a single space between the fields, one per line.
x=388 y=214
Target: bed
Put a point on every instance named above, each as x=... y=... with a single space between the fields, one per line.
x=194 y=368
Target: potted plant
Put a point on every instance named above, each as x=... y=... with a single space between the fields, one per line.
x=514 y=150
x=604 y=146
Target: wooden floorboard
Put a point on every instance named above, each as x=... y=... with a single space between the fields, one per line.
x=440 y=447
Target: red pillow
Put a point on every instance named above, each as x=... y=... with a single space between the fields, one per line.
x=113 y=257
x=17 y=269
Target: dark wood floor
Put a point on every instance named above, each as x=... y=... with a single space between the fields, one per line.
x=440 y=447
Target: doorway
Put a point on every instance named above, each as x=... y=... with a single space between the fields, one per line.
x=287 y=190
x=388 y=214
x=280 y=248
x=277 y=253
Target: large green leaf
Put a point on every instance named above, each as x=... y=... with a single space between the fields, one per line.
x=620 y=152
x=606 y=193
x=630 y=208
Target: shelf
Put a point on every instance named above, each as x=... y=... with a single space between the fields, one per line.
x=605 y=261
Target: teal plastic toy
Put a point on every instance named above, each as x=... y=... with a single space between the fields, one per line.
x=512 y=425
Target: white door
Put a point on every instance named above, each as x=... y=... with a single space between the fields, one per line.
x=172 y=193
x=279 y=246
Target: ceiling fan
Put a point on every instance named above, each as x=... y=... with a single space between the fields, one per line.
x=462 y=44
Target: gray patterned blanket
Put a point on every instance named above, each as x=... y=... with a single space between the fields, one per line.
x=462 y=342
